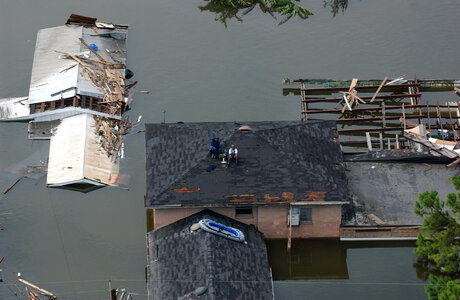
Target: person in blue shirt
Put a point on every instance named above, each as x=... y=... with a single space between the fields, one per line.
x=214 y=149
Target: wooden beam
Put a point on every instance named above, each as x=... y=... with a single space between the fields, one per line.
x=369 y=142
x=376 y=108
x=455 y=162
x=335 y=99
x=379 y=88
x=49 y=294
x=393 y=86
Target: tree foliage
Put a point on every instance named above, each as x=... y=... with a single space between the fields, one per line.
x=228 y=9
x=438 y=246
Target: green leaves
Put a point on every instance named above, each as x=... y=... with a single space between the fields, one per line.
x=438 y=245
x=227 y=9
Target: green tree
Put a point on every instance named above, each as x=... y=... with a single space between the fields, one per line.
x=438 y=246
x=228 y=9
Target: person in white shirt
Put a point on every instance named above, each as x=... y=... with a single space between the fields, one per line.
x=232 y=154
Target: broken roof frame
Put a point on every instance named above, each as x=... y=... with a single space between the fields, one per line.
x=377 y=117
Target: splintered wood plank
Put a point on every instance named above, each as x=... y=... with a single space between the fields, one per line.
x=379 y=88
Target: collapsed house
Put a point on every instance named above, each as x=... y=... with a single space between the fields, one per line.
x=79 y=90
x=395 y=147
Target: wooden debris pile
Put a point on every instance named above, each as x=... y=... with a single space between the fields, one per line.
x=110 y=133
x=106 y=76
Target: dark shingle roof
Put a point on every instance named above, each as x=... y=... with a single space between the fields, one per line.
x=274 y=157
x=181 y=261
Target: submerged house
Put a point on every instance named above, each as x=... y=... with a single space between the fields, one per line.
x=195 y=264
x=289 y=180
x=76 y=98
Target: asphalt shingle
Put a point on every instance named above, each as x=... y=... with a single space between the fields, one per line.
x=273 y=157
x=180 y=261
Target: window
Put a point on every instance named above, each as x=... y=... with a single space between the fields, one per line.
x=245 y=211
x=305 y=214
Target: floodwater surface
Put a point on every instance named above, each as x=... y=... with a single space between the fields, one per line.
x=197 y=69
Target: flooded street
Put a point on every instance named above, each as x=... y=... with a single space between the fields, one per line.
x=197 y=69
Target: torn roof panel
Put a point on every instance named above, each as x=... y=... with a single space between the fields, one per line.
x=55 y=78
x=14 y=108
x=76 y=155
x=277 y=162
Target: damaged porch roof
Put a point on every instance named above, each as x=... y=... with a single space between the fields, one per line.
x=277 y=162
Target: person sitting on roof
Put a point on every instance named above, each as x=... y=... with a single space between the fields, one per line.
x=232 y=154
x=214 y=148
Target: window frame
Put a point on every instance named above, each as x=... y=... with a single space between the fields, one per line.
x=244 y=215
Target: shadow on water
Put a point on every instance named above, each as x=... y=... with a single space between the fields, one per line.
x=323 y=258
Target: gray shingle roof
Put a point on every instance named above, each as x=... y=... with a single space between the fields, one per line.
x=301 y=158
x=181 y=261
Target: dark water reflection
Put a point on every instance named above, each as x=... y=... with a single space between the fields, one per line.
x=197 y=70
x=330 y=269
x=325 y=258
x=308 y=259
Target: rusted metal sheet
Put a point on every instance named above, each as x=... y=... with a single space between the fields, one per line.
x=186 y=190
x=315 y=196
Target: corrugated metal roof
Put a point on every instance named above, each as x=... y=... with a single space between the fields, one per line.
x=48 y=75
x=14 y=108
x=53 y=78
x=75 y=154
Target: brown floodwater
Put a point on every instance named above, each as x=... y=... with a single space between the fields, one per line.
x=196 y=69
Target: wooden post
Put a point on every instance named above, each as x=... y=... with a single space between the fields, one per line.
x=419 y=100
x=389 y=144
x=397 y=142
x=383 y=115
x=429 y=122
x=381 y=140
x=303 y=105
x=452 y=123
x=113 y=294
x=369 y=142
x=404 y=117
x=290 y=228
x=440 y=122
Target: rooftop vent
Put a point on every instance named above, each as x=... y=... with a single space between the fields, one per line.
x=244 y=128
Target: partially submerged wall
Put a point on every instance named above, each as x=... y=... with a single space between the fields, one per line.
x=270 y=220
